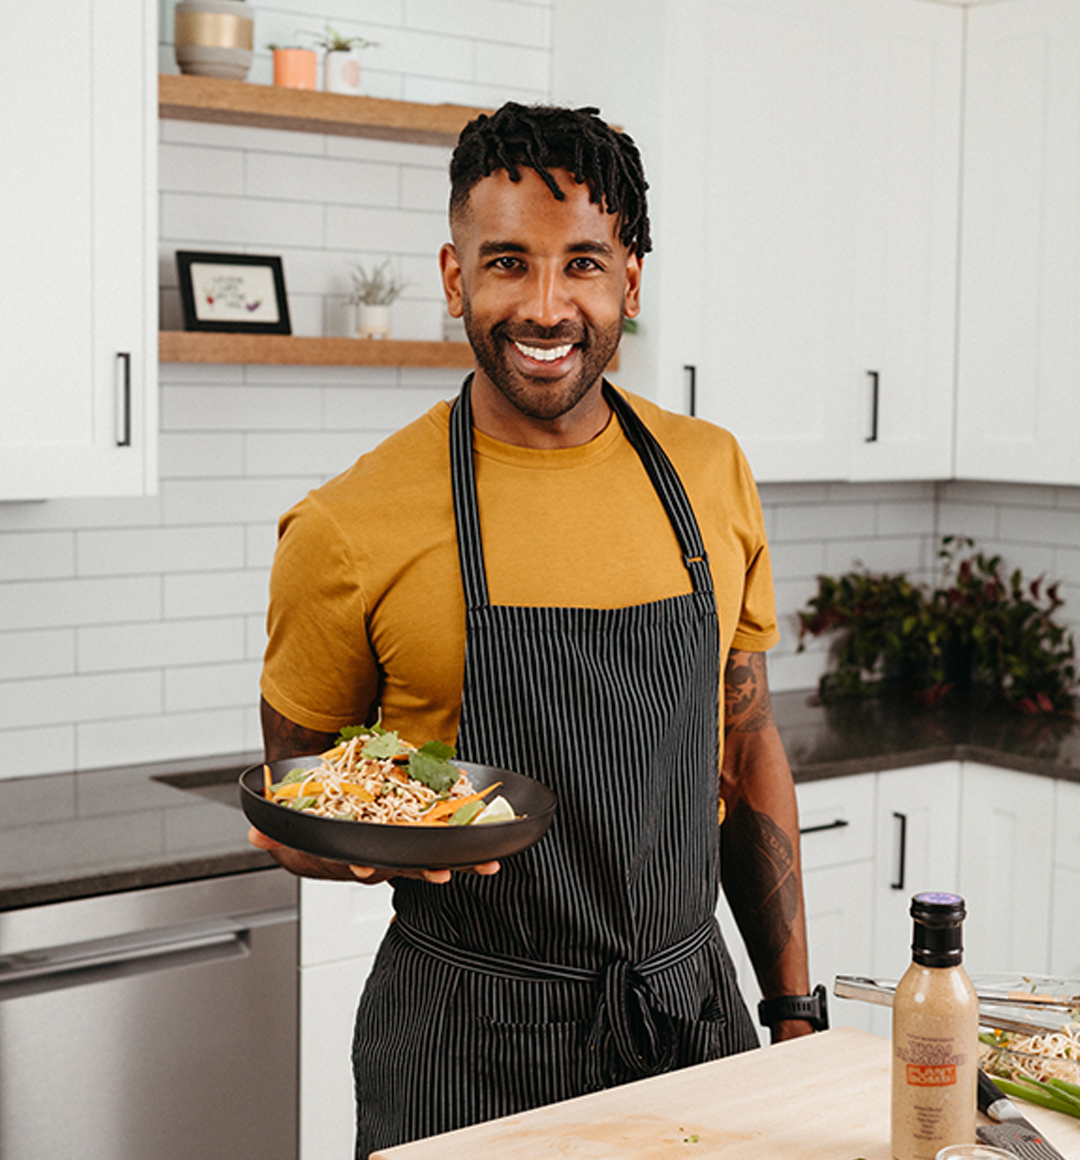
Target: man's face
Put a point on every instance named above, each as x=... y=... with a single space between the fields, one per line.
x=543 y=286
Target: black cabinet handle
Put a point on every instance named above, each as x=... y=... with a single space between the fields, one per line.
x=123 y=409
x=839 y=824
x=901 y=851
x=874 y=385
x=692 y=377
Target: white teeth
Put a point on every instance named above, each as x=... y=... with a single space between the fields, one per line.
x=542 y=354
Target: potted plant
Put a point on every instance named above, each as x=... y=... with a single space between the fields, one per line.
x=373 y=294
x=295 y=67
x=978 y=633
x=214 y=38
x=341 y=66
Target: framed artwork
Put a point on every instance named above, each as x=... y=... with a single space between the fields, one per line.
x=234 y=293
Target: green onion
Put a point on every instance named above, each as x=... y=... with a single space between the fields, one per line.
x=1037 y=1092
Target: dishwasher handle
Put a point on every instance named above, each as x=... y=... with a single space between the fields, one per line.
x=37 y=972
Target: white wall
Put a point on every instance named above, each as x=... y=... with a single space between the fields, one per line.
x=132 y=630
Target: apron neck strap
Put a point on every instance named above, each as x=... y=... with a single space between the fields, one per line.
x=654 y=459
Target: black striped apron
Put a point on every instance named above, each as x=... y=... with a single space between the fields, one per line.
x=594 y=957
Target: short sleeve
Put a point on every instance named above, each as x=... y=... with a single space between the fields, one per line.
x=319 y=670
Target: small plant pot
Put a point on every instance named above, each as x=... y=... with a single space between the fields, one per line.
x=372 y=321
x=296 y=68
x=214 y=38
x=341 y=73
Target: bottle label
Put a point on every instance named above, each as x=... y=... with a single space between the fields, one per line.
x=923 y=1075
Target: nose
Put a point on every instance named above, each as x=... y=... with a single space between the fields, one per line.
x=547 y=301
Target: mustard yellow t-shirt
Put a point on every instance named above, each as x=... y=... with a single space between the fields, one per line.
x=366 y=609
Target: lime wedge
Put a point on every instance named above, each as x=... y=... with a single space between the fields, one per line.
x=497 y=810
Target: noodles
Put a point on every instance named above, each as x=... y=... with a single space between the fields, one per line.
x=367 y=778
x=1055 y=1054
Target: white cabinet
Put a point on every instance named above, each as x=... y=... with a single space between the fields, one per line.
x=1018 y=409
x=341 y=926
x=78 y=278
x=804 y=161
x=1065 y=891
x=1006 y=851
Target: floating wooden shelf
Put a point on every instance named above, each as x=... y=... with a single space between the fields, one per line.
x=190 y=98
x=181 y=346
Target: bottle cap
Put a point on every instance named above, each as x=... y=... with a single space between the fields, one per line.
x=937 y=936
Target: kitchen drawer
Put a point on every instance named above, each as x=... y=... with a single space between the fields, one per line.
x=341 y=920
x=836 y=820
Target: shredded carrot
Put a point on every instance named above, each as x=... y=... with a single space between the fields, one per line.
x=452 y=805
x=297 y=789
x=268 y=782
x=357 y=791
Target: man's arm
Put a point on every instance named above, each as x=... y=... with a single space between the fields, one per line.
x=759 y=842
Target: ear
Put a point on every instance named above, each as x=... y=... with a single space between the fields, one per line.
x=632 y=300
x=450 y=268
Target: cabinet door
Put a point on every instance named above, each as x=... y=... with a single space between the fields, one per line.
x=78 y=353
x=828 y=227
x=1006 y=843
x=1065 y=899
x=836 y=817
x=918 y=830
x=901 y=382
x=1018 y=409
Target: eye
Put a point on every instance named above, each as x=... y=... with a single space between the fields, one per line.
x=505 y=262
x=585 y=265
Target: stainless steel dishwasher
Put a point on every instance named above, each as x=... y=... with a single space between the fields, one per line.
x=156 y=1024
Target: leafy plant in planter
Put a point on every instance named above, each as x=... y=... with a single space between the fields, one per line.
x=380 y=287
x=978 y=633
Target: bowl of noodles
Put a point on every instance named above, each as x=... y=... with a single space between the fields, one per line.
x=375 y=801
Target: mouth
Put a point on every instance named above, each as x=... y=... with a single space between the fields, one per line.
x=543 y=354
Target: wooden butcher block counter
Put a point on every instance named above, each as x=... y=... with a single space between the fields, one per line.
x=823 y=1097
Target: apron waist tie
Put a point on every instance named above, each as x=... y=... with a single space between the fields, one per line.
x=628 y=1017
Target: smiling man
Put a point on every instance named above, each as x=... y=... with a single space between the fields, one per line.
x=565 y=580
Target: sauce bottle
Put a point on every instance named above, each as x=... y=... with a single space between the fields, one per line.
x=935 y=1032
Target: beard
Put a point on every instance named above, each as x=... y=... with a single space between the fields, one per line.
x=537 y=396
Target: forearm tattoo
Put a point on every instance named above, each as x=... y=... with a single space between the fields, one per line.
x=759 y=878
x=747 y=708
x=757 y=854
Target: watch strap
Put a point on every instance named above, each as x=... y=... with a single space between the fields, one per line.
x=813 y=1008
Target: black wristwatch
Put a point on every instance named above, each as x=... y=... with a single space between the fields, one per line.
x=813 y=1008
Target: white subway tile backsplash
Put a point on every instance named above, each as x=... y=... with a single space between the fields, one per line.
x=236 y=408
x=1040 y=526
x=130 y=740
x=37 y=556
x=42 y=653
x=793 y=522
x=507 y=65
x=321 y=179
x=190 y=688
x=484 y=20
x=155 y=550
x=198 y=455
x=380 y=410
x=161 y=644
x=83 y=697
x=298 y=454
x=29 y=752
x=54 y=603
x=197 y=169
x=240 y=224
x=208 y=502
x=389 y=231
x=216 y=593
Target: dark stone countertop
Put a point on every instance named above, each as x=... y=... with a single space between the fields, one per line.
x=76 y=835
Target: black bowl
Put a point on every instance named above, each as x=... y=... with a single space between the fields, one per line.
x=402 y=847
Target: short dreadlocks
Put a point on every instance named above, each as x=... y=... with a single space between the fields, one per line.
x=543 y=137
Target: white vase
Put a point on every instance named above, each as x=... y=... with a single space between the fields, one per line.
x=214 y=38
x=372 y=321
x=341 y=73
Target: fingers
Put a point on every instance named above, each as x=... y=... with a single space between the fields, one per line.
x=371 y=875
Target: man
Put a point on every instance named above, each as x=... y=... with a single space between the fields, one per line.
x=552 y=576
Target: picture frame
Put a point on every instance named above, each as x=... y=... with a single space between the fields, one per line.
x=233 y=293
